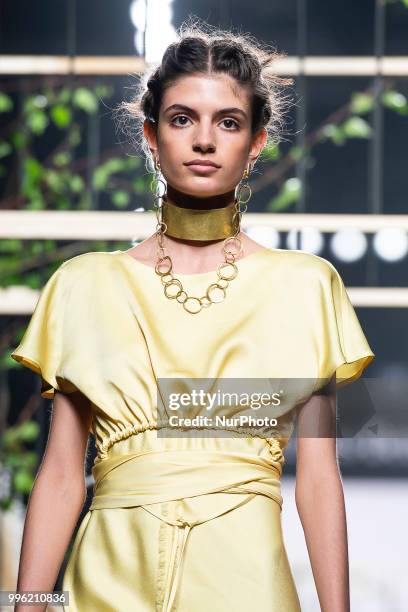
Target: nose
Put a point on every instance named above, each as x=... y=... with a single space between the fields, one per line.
x=204 y=139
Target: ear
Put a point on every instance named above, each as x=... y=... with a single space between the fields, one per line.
x=257 y=144
x=149 y=132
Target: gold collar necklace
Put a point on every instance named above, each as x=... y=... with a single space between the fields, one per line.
x=199 y=224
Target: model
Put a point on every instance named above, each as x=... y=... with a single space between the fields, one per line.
x=191 y=522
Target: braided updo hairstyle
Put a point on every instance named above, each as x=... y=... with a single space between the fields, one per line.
x=206 y=49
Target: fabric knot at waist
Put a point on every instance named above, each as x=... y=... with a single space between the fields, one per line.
x=200 y=485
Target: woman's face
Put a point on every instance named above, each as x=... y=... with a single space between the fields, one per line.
x=205 y=117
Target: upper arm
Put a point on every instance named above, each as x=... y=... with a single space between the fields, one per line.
x=67 y=442
x=316 y=434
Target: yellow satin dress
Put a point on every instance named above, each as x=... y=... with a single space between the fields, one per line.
x=186 y=523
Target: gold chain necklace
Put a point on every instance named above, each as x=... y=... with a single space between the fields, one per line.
x=226 y=271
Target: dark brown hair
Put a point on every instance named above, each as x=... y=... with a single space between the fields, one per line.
x=205 y=49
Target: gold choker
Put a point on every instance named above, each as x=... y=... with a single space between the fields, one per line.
x=199 y=223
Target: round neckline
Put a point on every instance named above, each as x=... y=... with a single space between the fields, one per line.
x=238 y=262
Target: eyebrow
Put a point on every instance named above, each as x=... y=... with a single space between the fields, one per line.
x=222 y=111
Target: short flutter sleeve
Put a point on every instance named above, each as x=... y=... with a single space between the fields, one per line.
x=344 y=349
x=42 y=346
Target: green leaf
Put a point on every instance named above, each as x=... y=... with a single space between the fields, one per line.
x=288 y=195
x=10 y=437
x=115 y=164
x=54 y=180
x=334 y=133
x=23 y=481
x=74 y=137
x=36 y=247
x=10 y=245
x=356 y=127
x=361 y=103
x=140 y=185
x=296 y=152
x=36 y=202
x=37 y=121
x=64 y=95
x=104 y=91
x=63 y=203
x=132 y=162
x=86 y=100
x=111 y=166
x=395 y=100
x=6 y=103
x=32 y=174
x=49 y=245
x=13 y=459
x=77 y=183
x=271 y=152
x=29 y=460
x=85 y=202
x=61 y=115
x=33 y=280
x=5 y=148
x=19 y=139
x=100 y=178
x=28 y=431
x=120 y=199
x=62 y=159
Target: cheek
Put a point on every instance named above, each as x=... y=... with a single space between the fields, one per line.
x=239 y=147
x=234 y=176
x=174 y=152
x=235 y=154
x=170 y=140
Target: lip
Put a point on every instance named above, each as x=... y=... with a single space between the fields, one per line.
x=202 y=162
x=202 y=168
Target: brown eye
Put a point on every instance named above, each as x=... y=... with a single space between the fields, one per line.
x=233 y=122
x=178 y=117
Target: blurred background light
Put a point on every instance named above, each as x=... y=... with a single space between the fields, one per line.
x=267 y=236
x=391 y=244
x=310 y=240
x=154 y=31
x=348 y=244
x=138 y=16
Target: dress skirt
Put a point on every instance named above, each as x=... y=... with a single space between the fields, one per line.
x=235 y=562
x=183 y=525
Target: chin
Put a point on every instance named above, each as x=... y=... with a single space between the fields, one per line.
x=203 y=190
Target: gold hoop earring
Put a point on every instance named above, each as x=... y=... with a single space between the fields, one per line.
x=158 y=187
x=243 y=192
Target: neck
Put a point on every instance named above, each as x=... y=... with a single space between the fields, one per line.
x=184 y=200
